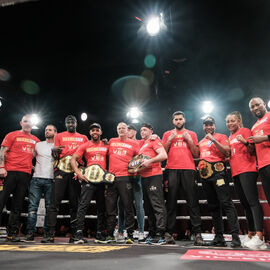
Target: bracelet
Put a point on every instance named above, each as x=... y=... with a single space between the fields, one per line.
x=246 y=143
x=213 y=140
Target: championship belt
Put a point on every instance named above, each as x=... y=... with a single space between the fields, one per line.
x=95 y=174
x=64 y=164
x=207 y=169
x=135 y=164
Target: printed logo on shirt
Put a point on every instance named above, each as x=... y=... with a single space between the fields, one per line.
x=205 y=153
x=204 y=143
x=28 y=149
x=180 y=144
x=120 y=152
x=121 y=145
x=97 y=157
x=27 y=140
x=234 y=141
x=72 y=139
x=73 y=147
x=259 y=132
x=95 y=149
x=259 y=122
x=145 y=145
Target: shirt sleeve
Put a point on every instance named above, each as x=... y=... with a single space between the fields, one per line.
x=8 y=140
x=56 y=141
x=80 y=150
x=165 y=138
x=194 y=138
x=224 y=140
x=157 y=144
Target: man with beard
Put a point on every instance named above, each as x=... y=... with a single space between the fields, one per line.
x=182 y=146
x=94 y=152
x=65 y=145
x=121 y=150
x=214 y=149
x=261 y=137
x=16 y=156
x=41 y=182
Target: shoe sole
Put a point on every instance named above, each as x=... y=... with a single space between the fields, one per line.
x=79 y=242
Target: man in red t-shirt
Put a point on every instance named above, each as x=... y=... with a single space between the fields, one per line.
x=214 y=149
x=181 y=145
x=16 y=156
x=95 y=153
x=121 y=151
x=261 y=138
x=152 y=180
x=65 y=145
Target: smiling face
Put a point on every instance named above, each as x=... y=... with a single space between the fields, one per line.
x=233 y=123
x=209 y=127
x=257 y=107
x=122 y=130
x=95 y=134
x=146 y=133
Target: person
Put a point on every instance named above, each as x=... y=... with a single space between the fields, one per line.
x=65 y=145
x=41 y=181
x=261 y=137
x=94 y=152
x=214 y=149
x=182 y=146
x=16 y=154
x=121 y=150
x=244 y=172
x=152 y=180
x=137 y=195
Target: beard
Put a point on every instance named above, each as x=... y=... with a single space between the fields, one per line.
x=179 y=128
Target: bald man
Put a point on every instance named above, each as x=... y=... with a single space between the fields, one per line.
x=261 y=136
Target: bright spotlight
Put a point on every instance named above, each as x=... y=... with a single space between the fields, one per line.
x=135 y=121
x=35 y=120
x=83 y=116
x=0 y=103
x=207 y=107
x=268 y=104
x=153 y=26
x=134 y=113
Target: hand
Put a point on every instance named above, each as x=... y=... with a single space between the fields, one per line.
x=105 y=141
x=153 y=137
x=3 y=172
x=258 y=138
x=209 y=136
x=186 y=136
x=172 y=136
x=59 y=149
x=146 y=163
x=82 y=177
x=241 y=139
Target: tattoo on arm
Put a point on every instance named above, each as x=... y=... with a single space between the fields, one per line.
x=3 y=153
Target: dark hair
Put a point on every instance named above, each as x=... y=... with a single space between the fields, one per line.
x=178 y=113
x=72 y=117
x=54 y=127
x=147 y=126
x=238 y=115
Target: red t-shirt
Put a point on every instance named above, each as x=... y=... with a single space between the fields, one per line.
x=149 y=149
x=209 y=151
x=241 y=160
x=120 y=153
x=262 y=127
x=71 y=141
x=21 y=148
x=179 y=155
x=94 y=153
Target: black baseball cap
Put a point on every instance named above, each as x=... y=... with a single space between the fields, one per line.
x=70 y=117
x=209 y=120
x=147 y=126
x=95 y=125
x=132 y=127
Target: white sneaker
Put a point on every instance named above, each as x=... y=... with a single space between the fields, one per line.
x=256 y=243
x=245 y=240
x=119 y=237
x=141 y=236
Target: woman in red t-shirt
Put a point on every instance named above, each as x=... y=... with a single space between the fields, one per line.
x=244 y=173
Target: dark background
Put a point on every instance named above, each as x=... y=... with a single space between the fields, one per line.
x=83 y=56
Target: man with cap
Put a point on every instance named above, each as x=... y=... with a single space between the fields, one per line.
x=65 y=145
x=182 y=146
x=121 y=151
x=152 y=181
x=214 y=149
x=16 y=155
x=95 y=152
x=137 y=195
x=261 y=138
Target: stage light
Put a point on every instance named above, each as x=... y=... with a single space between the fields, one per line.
x=35 y=120
x=268 y=104
x=83 y=116
x=134 y=113
x=207 y=107
x=135 y=121
x=153 y=26
x=0 y=103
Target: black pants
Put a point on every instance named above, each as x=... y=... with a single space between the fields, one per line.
x=246 y=187
x=186 y=180
x=62 y=183
x=87 y=193
x=265 y=177
x=123 y=188
x=154 y=204
x=218 y=197
x=16 y=183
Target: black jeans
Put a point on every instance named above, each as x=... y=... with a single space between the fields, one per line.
x=87 y=193
x=245 y=185
x=183 y=179
x=154 y=203
x=123 y=188
x=16 y=183
x=62 y=183
x=218 y=197
x=265 y=177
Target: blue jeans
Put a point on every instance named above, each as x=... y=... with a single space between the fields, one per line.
x=138 y=201
x=38 y=186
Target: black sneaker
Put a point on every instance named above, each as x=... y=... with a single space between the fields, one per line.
x=47 y=238
x=159 y=239
x=235 y=241
x=78 y=238
x=218 y=241
x=100 y=236
x=30 y=237
x=169 y=239
x=199 y=240
x=13 y=238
